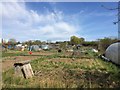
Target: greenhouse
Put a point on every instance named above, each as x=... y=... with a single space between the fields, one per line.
x=112 y=53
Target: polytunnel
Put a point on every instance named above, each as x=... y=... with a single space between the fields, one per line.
x=34 y=48
x=112 y=53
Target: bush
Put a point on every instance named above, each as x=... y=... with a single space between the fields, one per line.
x=104 y=43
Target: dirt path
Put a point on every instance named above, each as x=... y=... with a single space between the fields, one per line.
x=9 y=62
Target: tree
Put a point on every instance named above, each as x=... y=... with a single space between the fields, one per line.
x=37 y=42
x=104 y=43
x=12 y=42
x=93 y=44
x=63 y=45
x=76 y=40
x=28 y=42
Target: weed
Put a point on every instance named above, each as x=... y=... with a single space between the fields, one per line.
x=54 y=71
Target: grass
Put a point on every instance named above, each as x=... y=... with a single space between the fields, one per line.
x=60 y=74
x=10 y=54
x=59 y=71
x=14 y=81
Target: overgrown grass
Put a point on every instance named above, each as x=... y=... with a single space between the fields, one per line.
x=61 y=71
x=10 y=80
x=10 y=54
x=55 y=73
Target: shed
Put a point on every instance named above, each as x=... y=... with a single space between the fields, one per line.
x=112 y=53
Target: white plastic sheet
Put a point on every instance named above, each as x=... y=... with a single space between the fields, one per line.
x=35 y=48
x=112 y=53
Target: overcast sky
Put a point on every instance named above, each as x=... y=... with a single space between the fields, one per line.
x=57 y=21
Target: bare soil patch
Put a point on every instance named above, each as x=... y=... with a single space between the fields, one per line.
x=9 y=62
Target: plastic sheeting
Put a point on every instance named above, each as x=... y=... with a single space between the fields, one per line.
x=112 y=53
x=34 y=48
x=45 y=47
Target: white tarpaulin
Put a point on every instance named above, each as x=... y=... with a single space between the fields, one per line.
x=112 y=53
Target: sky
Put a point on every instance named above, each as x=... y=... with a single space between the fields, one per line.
x=58 y=21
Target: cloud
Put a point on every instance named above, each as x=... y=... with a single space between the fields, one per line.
x=57 y=31
x=22 y=23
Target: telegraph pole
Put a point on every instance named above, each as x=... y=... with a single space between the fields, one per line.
x=119 y=20
x=118 y=14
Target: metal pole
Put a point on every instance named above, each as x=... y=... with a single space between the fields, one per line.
x=118 y=30
x=119 y=20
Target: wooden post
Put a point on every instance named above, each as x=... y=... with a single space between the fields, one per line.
x=18 y=71
x=23 y=69
x=27 y=70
